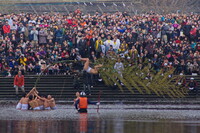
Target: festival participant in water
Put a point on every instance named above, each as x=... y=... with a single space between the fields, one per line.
x=41 y=103
x=82 y=103
x=34 y=103
x=77 y=97
x=52 y=102
x=49 y=102
x=23 y=103
x=46 y=103
x=87 y=68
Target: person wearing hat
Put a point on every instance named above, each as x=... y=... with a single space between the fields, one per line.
x=82 y=103
x=192 y=85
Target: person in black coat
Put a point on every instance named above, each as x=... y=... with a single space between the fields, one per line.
x=82 y=46
x=92 y=44
x=192 y=86
x=186 y=30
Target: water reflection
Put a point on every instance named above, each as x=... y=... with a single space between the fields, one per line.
x=83 y=122
x=97 y=125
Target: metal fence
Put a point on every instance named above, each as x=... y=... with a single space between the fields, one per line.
x=55 y=1
x=103 y=6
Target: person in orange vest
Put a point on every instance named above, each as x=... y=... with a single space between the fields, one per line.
x=19 y=83
x=82 y=103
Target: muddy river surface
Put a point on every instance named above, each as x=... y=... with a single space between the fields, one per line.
x=110 y=119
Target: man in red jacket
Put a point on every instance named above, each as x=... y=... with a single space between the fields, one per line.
x=19 y=82
x=6 y=28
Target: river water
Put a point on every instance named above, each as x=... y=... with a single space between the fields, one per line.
x=109 y=120
x=83 y=125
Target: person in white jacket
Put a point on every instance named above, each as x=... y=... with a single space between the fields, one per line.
x=34 y=33
x=116 y=44
x=108 y=43
x=119 y=67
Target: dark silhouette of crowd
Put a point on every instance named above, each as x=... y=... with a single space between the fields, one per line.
x=30 y=42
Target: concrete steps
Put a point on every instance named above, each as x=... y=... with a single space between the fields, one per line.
x=61 y=87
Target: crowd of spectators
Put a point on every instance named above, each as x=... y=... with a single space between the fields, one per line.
x=29 y=42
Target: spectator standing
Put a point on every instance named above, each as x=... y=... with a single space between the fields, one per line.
x=92 y=43
x=19 y=83
x=108 y=43
x=98 y=48
x=119 y=67
x=59 y=35
x=6 y=29
x=34 y=36
x=82 y=46
x=116 y=44
x=193 y=86
x=76 y=81
x=43 y=36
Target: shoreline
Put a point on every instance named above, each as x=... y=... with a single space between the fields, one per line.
x=193 y=101
x=125 y=112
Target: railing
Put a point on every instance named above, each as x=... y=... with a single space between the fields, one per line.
x=39 y=1
x=130 y=6
x=57 y=1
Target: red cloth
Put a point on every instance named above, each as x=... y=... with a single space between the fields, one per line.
x=6 y=29
x=193 y=32
x=64 y=54
x=69 y=21
x=178 y=41
x=198 y=46
x=19 y=81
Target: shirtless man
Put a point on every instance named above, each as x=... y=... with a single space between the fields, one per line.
x=77 y=97
x=41 y=103
x=23 y=103
x=34 y=104
x=88 y=69
x=52 y=102
x=49 y=102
